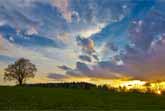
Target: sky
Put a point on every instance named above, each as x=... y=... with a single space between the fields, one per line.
x=77 y=39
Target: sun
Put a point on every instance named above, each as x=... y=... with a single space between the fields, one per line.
x=158 y=92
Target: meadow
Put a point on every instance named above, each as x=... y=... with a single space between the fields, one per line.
x=69 y=99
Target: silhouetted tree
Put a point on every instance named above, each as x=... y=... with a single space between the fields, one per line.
x=20 y=71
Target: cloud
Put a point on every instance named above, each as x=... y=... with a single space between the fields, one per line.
x=1 y=42
x=43 y=63
x=85 y=58
x=85 y=33
x=65 y=38
x=101 y=70
x=88 y=49
x=143 y=32
x=31 y=31
x=23 y=15
x=6 y=59
x=87 y=44
x=148 y=65
x=29 y=39
x=63 y=6
x=64 y=67
x=56 y=76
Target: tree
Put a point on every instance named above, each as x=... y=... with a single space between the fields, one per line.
x=20 y=71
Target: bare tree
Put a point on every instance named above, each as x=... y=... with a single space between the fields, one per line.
x=20 y=71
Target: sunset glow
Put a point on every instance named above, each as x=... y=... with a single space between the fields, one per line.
x=114 y=42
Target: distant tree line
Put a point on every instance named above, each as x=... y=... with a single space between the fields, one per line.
x=83 y=85
x=71 y=85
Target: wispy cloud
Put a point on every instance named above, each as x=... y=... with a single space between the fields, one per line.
x=64 y=8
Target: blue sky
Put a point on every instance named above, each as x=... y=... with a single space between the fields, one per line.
x=85 y=38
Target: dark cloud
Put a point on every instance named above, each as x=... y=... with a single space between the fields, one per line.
x=57 y=76
x=88 y=49
x=95 y=57
x=64 y=67
x=86 y=44
x=85 y=58
x=144 y=66
x=102 y=69
x=82 y=67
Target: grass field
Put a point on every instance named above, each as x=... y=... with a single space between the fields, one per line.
x=32 y=98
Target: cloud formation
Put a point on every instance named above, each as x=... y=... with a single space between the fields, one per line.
x=93 y=38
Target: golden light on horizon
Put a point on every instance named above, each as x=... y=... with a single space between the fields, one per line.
x=122 y=84
x=142 y=86
x=158 y=92
x=127 y=85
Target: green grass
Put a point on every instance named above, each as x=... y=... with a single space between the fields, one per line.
x=25 y=98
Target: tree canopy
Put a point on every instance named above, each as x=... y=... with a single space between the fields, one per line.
x=20 y=71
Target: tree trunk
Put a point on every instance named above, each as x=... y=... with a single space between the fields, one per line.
x=20 y=82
